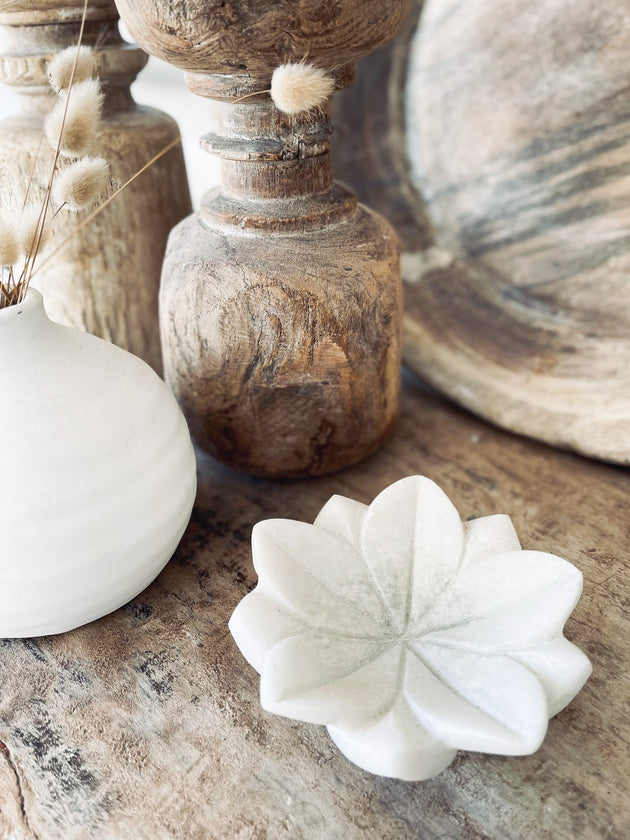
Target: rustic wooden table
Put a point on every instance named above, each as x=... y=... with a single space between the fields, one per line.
x=146 y=724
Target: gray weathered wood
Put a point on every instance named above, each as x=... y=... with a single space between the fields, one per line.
x=498 y=133
x=147 y=724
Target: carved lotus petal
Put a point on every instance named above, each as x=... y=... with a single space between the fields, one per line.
x=408 y=633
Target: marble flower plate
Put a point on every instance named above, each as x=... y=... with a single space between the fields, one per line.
x=408 y=633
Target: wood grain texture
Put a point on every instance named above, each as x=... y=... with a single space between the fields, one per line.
x=285 y=358
x=280 y=305
x=17 y=12
x=504 y=147
x=147 y=723
x=252 y=37
x=106 y=279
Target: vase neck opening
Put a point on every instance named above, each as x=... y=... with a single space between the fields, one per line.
x=20 y=320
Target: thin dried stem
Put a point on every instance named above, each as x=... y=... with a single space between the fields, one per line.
x=30 y=259
x=57 y=211
x=251 y=95
x=102 y=206
x=31 y=174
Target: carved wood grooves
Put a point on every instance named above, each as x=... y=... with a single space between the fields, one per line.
x=281 y=308
x=501 y=141
x=231 y=42
x=106 y=279
x=280 y=304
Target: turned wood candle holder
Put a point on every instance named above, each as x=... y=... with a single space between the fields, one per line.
x=106 y=279
x=281 y=299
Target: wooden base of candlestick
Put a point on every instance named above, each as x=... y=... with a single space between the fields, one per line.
x=281 y=317
x=281 y=302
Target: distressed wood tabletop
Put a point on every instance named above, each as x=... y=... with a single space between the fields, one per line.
x=146 y=724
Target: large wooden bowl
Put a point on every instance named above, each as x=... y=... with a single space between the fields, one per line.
x=497 y=136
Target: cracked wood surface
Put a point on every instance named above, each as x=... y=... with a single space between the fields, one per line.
x=280 y=302
x=146 y=724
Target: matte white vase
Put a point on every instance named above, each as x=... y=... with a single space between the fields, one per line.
x=97 y=474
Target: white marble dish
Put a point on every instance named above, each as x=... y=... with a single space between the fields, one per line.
x=408 y=633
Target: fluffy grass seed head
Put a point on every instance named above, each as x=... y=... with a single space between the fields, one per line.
x=300 y=87
x=81 y=184
x=28 y=230
x=85 y=102
x=9 y=242
x=60 y=68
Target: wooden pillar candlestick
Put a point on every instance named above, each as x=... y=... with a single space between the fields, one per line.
x=281 y=300
x=106 y=279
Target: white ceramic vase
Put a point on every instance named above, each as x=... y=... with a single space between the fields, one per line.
x=97 y=474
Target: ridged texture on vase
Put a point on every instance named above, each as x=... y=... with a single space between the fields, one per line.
x=97 y=474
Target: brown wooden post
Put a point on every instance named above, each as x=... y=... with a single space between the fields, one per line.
x=106 y=279
x=281 y=300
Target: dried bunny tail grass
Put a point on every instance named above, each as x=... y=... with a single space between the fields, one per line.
x=29 y=232
x=9 y=242
x=11 y=193
x=105 y=203
x=81 y=184
x=300 y=87
x=60 y=68
x=80 y=121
